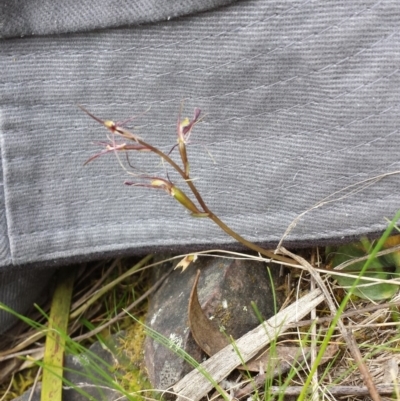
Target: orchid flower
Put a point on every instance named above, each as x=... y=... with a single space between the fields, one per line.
x=171 y=189
x=184 y=129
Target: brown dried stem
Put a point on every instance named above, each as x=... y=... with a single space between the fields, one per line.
x=347 y=336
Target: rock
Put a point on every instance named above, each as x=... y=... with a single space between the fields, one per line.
x=226 y=289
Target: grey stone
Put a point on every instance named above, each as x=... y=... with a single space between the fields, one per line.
x=226 y=289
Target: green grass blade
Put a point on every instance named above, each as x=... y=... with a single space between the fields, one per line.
x=56 y=336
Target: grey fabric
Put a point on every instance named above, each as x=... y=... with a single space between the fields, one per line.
x=44 y=17
x=301 y=100
x=5 y=256
x=19 y=291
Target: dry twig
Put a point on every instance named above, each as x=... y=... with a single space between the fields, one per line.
x=195 y=385
x=348 y=337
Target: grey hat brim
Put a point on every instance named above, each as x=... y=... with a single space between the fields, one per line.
x=302 y=107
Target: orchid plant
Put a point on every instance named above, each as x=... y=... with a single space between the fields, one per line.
x=123 y=140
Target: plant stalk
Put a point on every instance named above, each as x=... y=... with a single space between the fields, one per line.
x=268 y=253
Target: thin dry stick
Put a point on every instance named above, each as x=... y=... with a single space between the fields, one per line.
x=357 y=312
x=351 y=343
x=8 y=388
x=15 y=352
x=284 y=366
x=347 y=273
x=337 y=390
x=355 y=188
x=302 y=323
x=124 y=312
x=195 y=385
x=108 y=286
x=96 y=285
x=365 y=258
x=38 y=374
x=26 y=342
x=38 y=335
x=313 y=350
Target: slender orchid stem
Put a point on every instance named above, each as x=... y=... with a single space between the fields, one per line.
x=184 y=173
x=268 y=253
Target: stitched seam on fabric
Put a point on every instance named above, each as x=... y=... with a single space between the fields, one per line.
x=226 y=166
x=233 y=62
x=222 y=240
x=193 y=235
x=244 y=140
x=179 y=42
x=215 y=67
x=347 y=93
x=169 y=126
x=220 y=96
x=363 y=175
x=245 y=190
x=28 y=157
x=107 y=200
x=159 y=125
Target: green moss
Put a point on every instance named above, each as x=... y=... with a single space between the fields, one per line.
x=134 y=379
x=223 y=317
x=20 y=383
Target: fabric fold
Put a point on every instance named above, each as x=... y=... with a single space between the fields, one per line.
x=5 y=255
x=19 y=18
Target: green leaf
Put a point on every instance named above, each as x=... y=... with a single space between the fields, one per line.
x=381 y=268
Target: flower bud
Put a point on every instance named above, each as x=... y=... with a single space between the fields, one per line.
x=184 y=200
